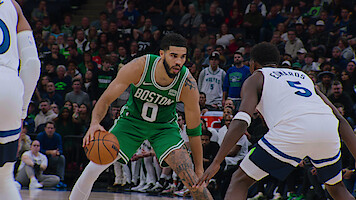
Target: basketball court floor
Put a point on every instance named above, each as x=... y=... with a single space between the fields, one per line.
x=39 y=194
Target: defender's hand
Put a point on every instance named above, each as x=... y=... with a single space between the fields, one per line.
x=90 y=133
x=208 y=174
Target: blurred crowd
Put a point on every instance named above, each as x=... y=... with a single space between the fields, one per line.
x=80 y=61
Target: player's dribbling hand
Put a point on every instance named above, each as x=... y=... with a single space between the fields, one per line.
x=208 y=174
x=90 y=133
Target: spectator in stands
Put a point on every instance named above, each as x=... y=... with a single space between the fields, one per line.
x=82 y=118
x=326 y=78
x=72 y=71
x=261 y=7
x=45 y=115
x=202 y=105
x=74 y=55
x=104 y=27
x=55 y=31
x=77 y=95
x=110 y=10
x=62 y=81
x=148 y=26
x=133 y=50
x=253 y=21
x=52 y=95
x=208 y=50
x=301 y=53
x=51 y=146
x=204 y=127
x=319 y=41
x=224 y=37
x=341 y=109
x=342 y=23
x=85 y=25
x=89 y=86
x=235 y=18
x=337 y=60
x=146 y=43
x=123 y=58
x=81 y=42
x=55 y=108
x=197 y=59
x=339 y=96
x=293 y=44
x=235 y=77
x=41 y=86
x=309 y=64
x=346 y=50
x=271 y=22
x=131 y=13
x=190 y=20
x=24 y=140
x=67 y=129
x=210 y=149
x=212 y=19
x=210 y=82
x=168 y=27
x=87 y=64
x=68 y=28
x=55 y=57
x=40 y=12
x=278 y=42
x=104 y=77
x=50 y=70
x=348 y=84
x=30 y=171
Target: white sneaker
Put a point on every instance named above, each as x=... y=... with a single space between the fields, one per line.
x=138 y=187
x=18 y=185
x=146 y=187
x=34 y=184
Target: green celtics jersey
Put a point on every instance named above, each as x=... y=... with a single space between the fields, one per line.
x=151 y=102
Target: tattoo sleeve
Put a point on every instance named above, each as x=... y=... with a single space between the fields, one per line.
x=191 y=83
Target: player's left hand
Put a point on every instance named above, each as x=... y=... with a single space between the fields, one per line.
x=208 y=174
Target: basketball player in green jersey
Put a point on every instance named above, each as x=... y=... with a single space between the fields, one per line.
x=157 y=83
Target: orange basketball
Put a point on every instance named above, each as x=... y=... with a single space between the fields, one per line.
x=103 y=149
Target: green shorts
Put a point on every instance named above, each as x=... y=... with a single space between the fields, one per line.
x=131 y=132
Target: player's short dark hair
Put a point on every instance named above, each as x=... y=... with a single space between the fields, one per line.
x=265 y=54
x=173 y=39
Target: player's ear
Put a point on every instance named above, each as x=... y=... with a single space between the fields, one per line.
x=161 y=53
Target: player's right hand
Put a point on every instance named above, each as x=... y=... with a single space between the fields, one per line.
x=90 y=133
x=208 y=174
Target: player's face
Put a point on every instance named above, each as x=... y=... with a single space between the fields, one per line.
x=173 y=60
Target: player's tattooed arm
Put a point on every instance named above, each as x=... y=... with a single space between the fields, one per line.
x=182 y=164
x=191 y=83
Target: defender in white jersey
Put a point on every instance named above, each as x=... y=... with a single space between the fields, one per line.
x=16 y=88
x=301 y=121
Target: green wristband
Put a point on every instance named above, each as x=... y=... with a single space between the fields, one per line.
x=195 y=131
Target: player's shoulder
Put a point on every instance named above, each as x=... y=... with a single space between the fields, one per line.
x=17 y=6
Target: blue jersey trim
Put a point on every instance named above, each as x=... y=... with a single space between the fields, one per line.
x=326 y=159
x=275 y=150
x=10 y=133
